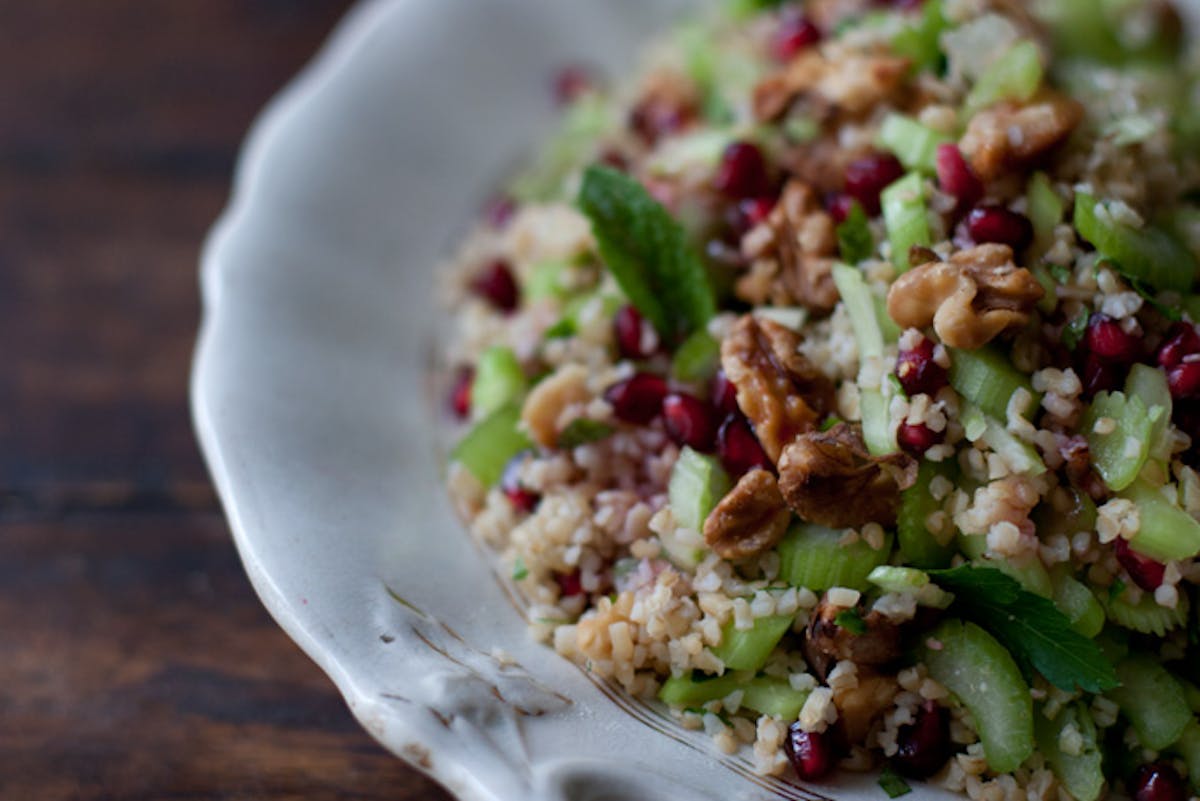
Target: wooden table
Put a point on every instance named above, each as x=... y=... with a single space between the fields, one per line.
x=135 y=661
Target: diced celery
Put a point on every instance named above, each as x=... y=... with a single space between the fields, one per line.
x=1079 y=771
x=577 y=307
x=696 y=690
x=1152 y=701
x=1079 y=604
x=1028 y=571
x=975 y=667
x=546 y=280
x=1079 y=516
x=697 y=358
x=878 y=433
x=920 y=41
x=749 y=649
x=1021 y=456
x=910 y=581
x=1014 y=76
x=488 y=447
x=793 y=317
x=1188 y=747
x=697 y=484
x=1191 y=692
x=1049 y=299
x=811 y=556
x=918 y=545
x=1146 y=616
x=1118 y=454
x=988 y=379
x=973 y=546
x=1046 y=210
x=1150 y=384
x=904 y=216
x=913 y=143
x=1147 y=254
x=499 y=379
x=887 y=326
x=1166 y=533
x=771 y=696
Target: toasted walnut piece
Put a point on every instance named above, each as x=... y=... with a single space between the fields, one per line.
x=778 y=388
x=750 y=519
x=860 y=706
x=879 y=644
x=1011 y=136
x=852 y=84
x=970 y=299
x=546 y=402
x=800 y=235
x=829 y=478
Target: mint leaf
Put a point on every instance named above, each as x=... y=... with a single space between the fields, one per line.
x=581 y=431
x=1037 y=635
x=855 y=242
x=892 y=784
x=851 y=621
x=647 y=252
x=1074 y=330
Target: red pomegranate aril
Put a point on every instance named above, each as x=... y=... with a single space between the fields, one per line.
x=637 y=399
x=839 y=206
x=923 y=745
x=1184 y=379
x=1182 y=340
x=724 y=394
x=500 y=211
x=523 y=500
x=810 y=752
x=1100 y=375
x=917 y=371
x=956 y=177
x=569 y=584
x=1158 y=781
x=738 y=448
x=655 y=117
x=497 y=286
x=690 y=421
x=996 y=224
x=1106 y=339
x=751 y=212
x=636 y=338
x=795 y=33
x=918 y=438
x=1147 y=573
x=742 y=172
x=868 y=176
x=460 y=393
x=572 y=82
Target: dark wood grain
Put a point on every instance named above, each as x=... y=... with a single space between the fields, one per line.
x=135 y=661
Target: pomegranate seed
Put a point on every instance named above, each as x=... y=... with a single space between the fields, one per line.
x=724 y=394
x=1100 y=375
x=796 y=32
x=460 y=393
x=868 y=176
x=500 y=211
x=956 y=177
x=690 y=421
x=1158 y=782
x=614 y=158
x=924 y=745
x=1107 y=340
x=497 y=286
x=751 y=212
x=637 y=399
x=656 y=116
x=523 y=500
x=1145 y=572
x=742 y=172
x=572 y=82
x=918 y=438
x=810 y=752
x=839 y=206
x=569 y=584
x=1184 y=380
x=1001 y=226
x=918 y=372
x=738 y=448
x=1182 y=340
x=636 y=338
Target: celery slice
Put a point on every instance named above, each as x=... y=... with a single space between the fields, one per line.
x=1015 y=76
x=697 y=358
x=546 y=280
x=499 y=379
x=1118 y=455
x=920 y=42
x=696 y=689
x=1152 y=700
x=1188 y=747
x=1081 y=516
x=1167 y=533
x=891 y=578
x=1150 y=384
x=1029 y=572
x=1147 y=254
x=1080 y=773
x=1021 y=456
x=1079 y=604
x=918 y=545
x=487 y=448
x=749 y=649
x=913 y=143
x=904 y=216
x=697 y=484
x=775 y=697
x=988 y=379
x=1192 y=693
x=1146 y=616
x=1046 y=210
x=873 y=402
x=811 y=556
x=975 y=667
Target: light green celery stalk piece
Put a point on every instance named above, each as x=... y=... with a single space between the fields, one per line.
x=1021 y=456
x=913 y=143
x=490 y=444
x=1150 y=385
x=1046 y=210
x=1148 y=253
x=1015 y=76
x=499 y=379
x=874 y=399
x=1152 y=700
x=1080 y=771
x=904 y=215
x=1165 y=532
x=1118 y=429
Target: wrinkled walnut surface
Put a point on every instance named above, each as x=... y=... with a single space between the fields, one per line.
x=750 y=519
x=1009 y=136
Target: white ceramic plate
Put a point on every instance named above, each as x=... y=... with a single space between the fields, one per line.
x=311 y=397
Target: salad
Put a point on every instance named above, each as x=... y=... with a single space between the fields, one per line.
x=835 y=383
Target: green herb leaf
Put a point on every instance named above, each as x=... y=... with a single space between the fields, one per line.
x=831 y=421
x=851 y=621
x=520 y=572
x=1061 y=274
x=581 y=431
x=892 y=784
x=1033 y=630
x=1073 y=333
x=855 y=242
x=1116 y=589
x=561 y=330
x=647 y=252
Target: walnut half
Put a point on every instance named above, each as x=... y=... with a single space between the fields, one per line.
x=1009 y=136
x=750 y=519
x=970 y=299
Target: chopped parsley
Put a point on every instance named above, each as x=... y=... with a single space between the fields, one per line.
x=519 y=571
x=851 y=621
x=581 y=431
x=1073 y=333
x=892 y=784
